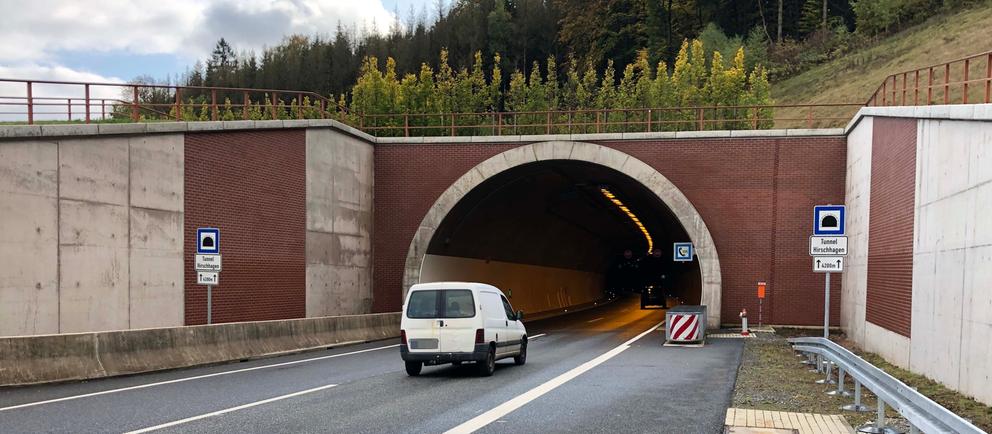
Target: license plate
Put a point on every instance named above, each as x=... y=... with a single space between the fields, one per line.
x=423 y=344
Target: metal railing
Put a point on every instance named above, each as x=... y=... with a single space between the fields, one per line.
x=700 y=118
x=921 y=412
x=967 y=80
x=137 y=102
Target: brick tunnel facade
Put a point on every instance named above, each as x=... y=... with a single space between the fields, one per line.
x=755 y=195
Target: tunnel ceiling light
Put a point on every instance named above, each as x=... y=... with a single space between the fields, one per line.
x=633 y=218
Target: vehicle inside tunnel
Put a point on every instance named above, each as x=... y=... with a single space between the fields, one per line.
x=553 y=235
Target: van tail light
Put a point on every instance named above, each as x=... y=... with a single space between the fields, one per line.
x=403 y=337
x=480 y=337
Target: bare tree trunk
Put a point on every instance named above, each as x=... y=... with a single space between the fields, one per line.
x=779 y=38
x=824 y=14
x=669 y=16
x=764 y=24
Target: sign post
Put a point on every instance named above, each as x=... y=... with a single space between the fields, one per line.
x=828 y=239
x=207 y=263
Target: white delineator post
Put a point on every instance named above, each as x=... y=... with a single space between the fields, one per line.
x=744 y=330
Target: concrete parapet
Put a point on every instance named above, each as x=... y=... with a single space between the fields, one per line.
x=80 y=356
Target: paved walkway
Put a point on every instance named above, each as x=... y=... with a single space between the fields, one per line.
x=806 y=423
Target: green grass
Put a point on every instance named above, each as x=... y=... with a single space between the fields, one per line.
x=855 y=76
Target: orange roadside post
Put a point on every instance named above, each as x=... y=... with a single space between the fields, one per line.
x=761 y=299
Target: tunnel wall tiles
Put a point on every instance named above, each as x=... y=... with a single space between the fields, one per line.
x=252 y=186
x=755 y=195
x=890 y=243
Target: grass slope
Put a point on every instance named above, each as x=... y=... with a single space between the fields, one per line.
x=854 y=77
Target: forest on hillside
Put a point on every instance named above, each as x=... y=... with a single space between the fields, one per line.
x=506 y=50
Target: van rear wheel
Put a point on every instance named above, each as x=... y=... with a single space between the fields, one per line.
x=413 y=368
x=488 y=366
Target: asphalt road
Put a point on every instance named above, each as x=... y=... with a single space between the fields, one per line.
x=599 y=370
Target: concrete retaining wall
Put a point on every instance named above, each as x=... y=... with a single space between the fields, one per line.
x=951 y=311
x=91 y=234
x=339 y=224
x=79 y=356
x=91 y=223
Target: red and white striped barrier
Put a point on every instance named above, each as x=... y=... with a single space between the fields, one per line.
x=685 y=327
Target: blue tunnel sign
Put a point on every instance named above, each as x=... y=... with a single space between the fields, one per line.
x=207 y=240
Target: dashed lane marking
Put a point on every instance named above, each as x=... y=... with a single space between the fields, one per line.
x=229 y=410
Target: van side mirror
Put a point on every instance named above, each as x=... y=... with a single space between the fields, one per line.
x=520 y=315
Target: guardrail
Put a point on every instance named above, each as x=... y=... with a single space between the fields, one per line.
x=33 y=101
x=952 y=82
x=921 y=412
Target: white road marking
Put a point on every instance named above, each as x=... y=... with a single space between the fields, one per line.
x=505 y=408
x=198 y=377
x=594 y=320
x=228 y=410
x=530 y=338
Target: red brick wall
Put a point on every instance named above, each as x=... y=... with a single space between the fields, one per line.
x=756 y=195
x=890 y=225
x=251 y=185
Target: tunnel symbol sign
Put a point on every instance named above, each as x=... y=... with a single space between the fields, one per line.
x=207 y=240
x=683 y=252
x=828 y=220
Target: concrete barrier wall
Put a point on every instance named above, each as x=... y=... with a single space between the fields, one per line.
x=49 y=358
x=531 y=288
x=951 y=311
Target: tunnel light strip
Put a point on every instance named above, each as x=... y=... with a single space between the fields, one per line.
x=633 y=218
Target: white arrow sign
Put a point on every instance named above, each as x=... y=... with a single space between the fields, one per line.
x=828 y=246
x=828 y=264
x=207 y=278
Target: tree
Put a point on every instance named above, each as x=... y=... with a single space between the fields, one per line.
x=221 y=64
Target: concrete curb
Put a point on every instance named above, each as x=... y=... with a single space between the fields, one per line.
x=81 y=356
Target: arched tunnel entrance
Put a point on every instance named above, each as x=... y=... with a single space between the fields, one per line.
x=551 y=232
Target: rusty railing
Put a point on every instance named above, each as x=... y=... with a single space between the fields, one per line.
x=34 y=101
x=967 y=80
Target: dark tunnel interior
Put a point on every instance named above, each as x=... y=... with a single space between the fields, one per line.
x=549 y=235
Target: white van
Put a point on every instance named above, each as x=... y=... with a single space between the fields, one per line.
x=455 y=322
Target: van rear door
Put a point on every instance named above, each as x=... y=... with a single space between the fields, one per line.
x=459 y=317
x=441 y=321
x=422 y=328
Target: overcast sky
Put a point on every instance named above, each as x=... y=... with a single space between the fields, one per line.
x=116 y=40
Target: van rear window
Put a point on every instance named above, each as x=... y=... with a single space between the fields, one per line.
x=441 y=303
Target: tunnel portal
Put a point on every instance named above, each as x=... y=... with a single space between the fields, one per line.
x=552 y=234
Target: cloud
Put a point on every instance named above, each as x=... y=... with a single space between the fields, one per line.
x=39 y=35
x=34 y=31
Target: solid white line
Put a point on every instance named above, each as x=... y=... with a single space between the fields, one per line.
x=228 y=410
x=536 y=336
x=505 y=408
x=180 y=380
x=594 y=320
